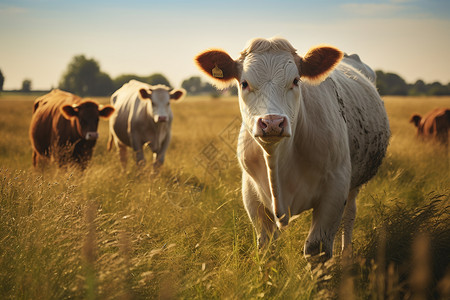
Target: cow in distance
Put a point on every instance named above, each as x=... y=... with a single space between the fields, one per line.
x=143 y=117
x=435 y=125
x=64 y=128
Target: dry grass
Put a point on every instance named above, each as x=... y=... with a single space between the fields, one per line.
x=111 y=234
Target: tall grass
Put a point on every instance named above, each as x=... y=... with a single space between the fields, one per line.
x=112 y=234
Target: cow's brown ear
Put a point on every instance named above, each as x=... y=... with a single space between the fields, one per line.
x=177 y=94
x=69 y=111
x=318 y=63
x=218 y=65
x=106 y=111
x=145 y=94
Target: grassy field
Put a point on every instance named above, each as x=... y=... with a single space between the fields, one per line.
x=110 y=234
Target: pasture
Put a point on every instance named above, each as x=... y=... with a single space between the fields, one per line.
x=184 y=233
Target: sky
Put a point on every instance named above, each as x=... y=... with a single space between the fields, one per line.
x=39 y=38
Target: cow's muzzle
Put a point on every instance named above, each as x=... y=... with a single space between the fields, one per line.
x=91 y=136
x=161 y=119
x=272 y=126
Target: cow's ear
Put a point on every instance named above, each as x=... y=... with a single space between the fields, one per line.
x=106 y=111
x=318 y=63
x=177 y=94
x=415 y=119
x=219 y=66
x=145 y=94
x=70 y=111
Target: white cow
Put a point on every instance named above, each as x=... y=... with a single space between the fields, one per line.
x=143 y=116
x=314 y=130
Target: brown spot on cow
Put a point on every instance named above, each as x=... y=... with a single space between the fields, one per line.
x=434 y=125
x=64 y=127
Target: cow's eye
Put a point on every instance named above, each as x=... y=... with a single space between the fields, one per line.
x=295 y=82
x=244 y=84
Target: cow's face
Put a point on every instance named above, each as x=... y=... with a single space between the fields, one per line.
x=269 y=74
x=160 y=102
x=86 y=116
x=268 y=95
x=415 y=119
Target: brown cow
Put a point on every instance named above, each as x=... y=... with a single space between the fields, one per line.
x=435 y=124
x=64 y=127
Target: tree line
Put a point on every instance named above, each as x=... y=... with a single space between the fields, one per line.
x=393 y=84
x=84 y=77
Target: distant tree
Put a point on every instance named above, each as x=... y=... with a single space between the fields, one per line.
x=209 y=88
x=80 y=75
x=153 y=79
x=397 y=85
x=2 y=80
x=418 y=88
x=83 y=77
x=103 y=85
x=380 y=83
x=26 y=85
x=233 y=90
x=192 y=85
x=437 y=89
x=157 y=78
x=391 y=84
x=122 y=79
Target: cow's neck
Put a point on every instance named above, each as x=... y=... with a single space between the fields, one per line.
x=281 y=159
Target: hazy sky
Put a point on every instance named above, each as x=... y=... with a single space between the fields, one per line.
x=39 y=38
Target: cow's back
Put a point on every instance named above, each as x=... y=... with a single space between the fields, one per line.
x=436 y=124
x=428 y=126
x=124 y=95
x=364 y=114
x=355 y=61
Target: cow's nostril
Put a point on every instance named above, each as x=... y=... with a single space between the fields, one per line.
x=262 y=124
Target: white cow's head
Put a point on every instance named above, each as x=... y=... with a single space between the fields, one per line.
x=160 y=96
x=269 y=73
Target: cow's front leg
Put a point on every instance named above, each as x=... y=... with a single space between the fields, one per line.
x=262 y=219
x=36 y=158
x=138 y=148
x=158 y=159
x=123 y=155
x=325 y=223
x=82 y=153
x=140 y=159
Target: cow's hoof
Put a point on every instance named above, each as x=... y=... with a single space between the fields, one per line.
x=316 y=251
